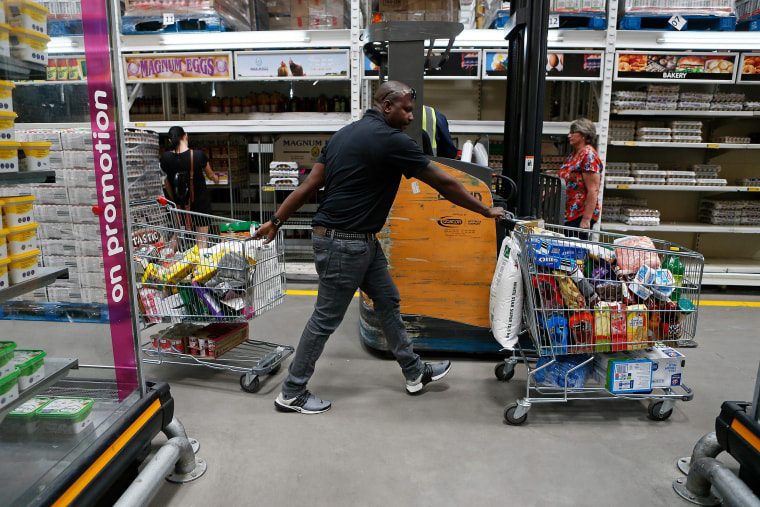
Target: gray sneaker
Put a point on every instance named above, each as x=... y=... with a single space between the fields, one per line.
x=430 y=373
x=305 y=403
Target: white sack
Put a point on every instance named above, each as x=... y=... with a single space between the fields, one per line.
x=506 y=301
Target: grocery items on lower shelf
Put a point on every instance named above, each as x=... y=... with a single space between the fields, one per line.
x=729 y=211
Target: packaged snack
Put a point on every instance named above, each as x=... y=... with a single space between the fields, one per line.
x=632 y=252
x=617 y=327
x=571 y=296
x=662 y=284
x=636 y=326
x=582 y=331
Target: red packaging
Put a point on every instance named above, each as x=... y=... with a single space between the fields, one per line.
x=618 y=327
x=582 y=331
x=670 y=325
x=654 y=333
x=548 y=292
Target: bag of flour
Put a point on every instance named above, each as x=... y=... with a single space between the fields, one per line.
x=505 y=305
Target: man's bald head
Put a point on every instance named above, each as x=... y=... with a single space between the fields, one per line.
x=392 y=91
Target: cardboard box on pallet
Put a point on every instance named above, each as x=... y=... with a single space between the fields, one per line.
x=216 y=339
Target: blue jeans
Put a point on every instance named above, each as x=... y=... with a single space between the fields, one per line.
x=343 y=266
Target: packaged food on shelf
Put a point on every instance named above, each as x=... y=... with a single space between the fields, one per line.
x=629 y=104
x=645 y=174
x=686 y=124
x=729 y=97
x=22 y=268
x=684 y=181
x=27 y=14
x=643 y=131
x=621 y=134
x=66 y=416
x=662 y=97
x=24 y=419
x=6 y=358
x=732 y=140
x=726 y=106
x=644 y=166
x=9 y=156
x=29 y=46
x=5 y=41
x=694 y=106
x=622 y=124
x=749 y=182
x=4 y=277
x=661 y=88
x=618 y=169
x=703 y=168
x=684 y=138
x=695 y=97
x=662 y=106
x=751 y=106
x=712 y=182
x=619 y=180
x=8 y=389
x=6 y=89
x=654 y=138
x=31 y=367
x=18 y=210
x=649 y=124
x=640 y=212
x=22 y=239
x=680 y=174
x=35 y=156
x=630 y=95
x=651 y=181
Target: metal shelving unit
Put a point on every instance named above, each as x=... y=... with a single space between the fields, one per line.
x=696 y=227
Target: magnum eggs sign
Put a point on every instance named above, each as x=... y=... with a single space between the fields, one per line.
x=179 y=67
x=703 y=67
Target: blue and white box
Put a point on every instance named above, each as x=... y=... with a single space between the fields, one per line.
x=668 y=364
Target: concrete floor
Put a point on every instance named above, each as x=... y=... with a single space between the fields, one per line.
x=378 y=446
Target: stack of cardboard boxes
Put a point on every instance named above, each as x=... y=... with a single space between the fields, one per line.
x=307 y=14
x=417 y=10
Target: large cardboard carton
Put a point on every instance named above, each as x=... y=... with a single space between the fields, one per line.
x=618 y=372
x=304 y=149
x=216 y=339
x=668 y=364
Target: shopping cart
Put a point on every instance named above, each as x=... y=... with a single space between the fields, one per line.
x=206 y=277
x=592 y=307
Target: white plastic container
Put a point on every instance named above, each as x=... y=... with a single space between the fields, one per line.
x=18 y=211
x=5 y=39
x=30 y=365
x=6 y=87
x=36 y=156
x=28 y=15
x=29 y=46
x=6 y=358
x=8 y=389
x=22 y=239
x=5 y=280
x=23 y=267
x=24 y=419
x=66 y=416
x=3 y=245
x=9 y=156
x=8 y=126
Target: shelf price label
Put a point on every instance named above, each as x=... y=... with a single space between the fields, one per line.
x=713 y=146
x=168 y=18
x=553 y=20
x=630 y=143
x=622 y=187
x=753 y=189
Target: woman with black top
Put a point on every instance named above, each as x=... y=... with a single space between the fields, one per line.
x=178 y=159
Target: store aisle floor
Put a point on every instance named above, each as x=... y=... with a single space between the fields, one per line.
x=378 y=446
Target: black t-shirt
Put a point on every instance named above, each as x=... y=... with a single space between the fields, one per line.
x=364 y=163
x=172 y=163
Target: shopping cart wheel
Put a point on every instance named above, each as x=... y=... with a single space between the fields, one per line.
x=509 y=415
x=249 y=387
x=656 y=412
x=504 y=371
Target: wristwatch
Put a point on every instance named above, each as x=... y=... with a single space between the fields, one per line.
x=275 y=221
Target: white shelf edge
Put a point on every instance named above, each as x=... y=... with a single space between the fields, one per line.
x=680 y=112
x=666 y=144
x=678 y=188
x=682 y=227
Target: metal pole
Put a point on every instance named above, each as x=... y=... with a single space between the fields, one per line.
x=707 y=473
x=706 y=447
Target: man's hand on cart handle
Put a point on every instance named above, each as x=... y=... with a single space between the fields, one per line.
x=268 y=230
x=496 y=212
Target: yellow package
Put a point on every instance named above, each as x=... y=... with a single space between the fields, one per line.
x=571 y=296
x=602 y=328
x=636 y=326
x=153 y=275
x=180 y=269
x=207 y=268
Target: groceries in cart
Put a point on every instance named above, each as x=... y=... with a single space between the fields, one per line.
x=625 y=294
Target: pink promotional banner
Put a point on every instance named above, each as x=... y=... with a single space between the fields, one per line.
x=105 y=151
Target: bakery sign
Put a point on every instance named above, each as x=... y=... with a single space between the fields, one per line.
x=749 y=70
x=215 y=66
x=663 y=66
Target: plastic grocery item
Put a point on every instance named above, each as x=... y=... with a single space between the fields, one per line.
x=22 y=239
x=6 y=87
x=662 y=106
x=694 y=106
x=6 y=358
x=66 y=416
x=8 y=155
x=29 y=46
x=8 y=388
x=18 y=210
x=654 y=138
x=23 y=267
x=681 y=138
x=24 y=419
x=36 y=156
x=3 y=243
x=27 y=14
x=5 y=43
x=30 y=365
x=712 y=182
x=5 y=280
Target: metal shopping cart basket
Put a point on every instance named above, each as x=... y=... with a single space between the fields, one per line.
x=206 y=277
x=597 y=315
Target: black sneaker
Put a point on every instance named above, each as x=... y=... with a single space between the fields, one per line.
x=305 y=403
x=430 y=373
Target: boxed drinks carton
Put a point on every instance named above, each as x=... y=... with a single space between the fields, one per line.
x=668 y=364
x=618 y=372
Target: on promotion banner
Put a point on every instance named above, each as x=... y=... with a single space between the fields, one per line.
x=662 y=66
x=750 y=69
x=288 y=65
x=572 y=65
x=216 y=66
x=461 y=64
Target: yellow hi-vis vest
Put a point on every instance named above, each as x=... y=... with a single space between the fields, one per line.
x=428 y=124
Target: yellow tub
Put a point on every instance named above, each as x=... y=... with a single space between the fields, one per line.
x=22 y=239
x=8 y=126
x=3 y=244
x=29 y=46
x=6 y=88
x=9 y=156
x=23 y=267
x=26 y=14
x=5 y=39
x=4 y=279
x=18 y=211
x=36 y=156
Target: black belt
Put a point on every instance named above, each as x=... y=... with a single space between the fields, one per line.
x=324 y=232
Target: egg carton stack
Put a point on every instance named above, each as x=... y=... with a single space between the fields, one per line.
x=550 y=164
x=611 y=208
x=686 y=131
x=729 y=212
x=732 y=139
x=639 y=215
x=681 y=177
x=691 y=101
x=728 y=102
x=284 y=174
x=141 y=163
x=629 y=100
x=653 y=134
x=749 y=182
x=618 y=173
x=707 y=175
x=662 y=97
x=645 y=173
x=621 y=130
